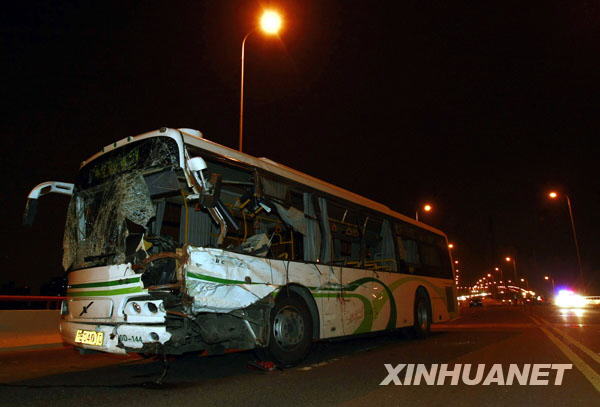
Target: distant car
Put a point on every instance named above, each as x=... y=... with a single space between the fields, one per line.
x=476 y=302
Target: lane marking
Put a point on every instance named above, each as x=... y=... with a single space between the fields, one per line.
x=584 y=368
x=573 y=341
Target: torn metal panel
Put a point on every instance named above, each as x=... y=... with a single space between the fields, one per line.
x=221 y=281
x=219 y=297
x=293 y=217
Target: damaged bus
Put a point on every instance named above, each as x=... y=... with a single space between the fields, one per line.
x=175 y=244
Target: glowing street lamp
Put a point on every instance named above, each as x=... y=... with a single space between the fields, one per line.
x=270 y=23
x=450 y=245
x=426 y=208
x=551 y=279
x=512 y=260
x=555 y=195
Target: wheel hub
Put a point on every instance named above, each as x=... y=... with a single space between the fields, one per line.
x=288 y=327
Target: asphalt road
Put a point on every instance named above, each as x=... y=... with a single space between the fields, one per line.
x=347 y=372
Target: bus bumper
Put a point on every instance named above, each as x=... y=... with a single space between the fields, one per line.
x=119 y=339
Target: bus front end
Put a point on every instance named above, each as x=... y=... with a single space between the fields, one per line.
x=135 y=283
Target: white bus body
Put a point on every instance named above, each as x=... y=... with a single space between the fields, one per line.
x=174 y=243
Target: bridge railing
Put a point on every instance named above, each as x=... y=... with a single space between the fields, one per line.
x=15 y=302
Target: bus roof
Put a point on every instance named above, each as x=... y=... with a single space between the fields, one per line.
x=194 y=138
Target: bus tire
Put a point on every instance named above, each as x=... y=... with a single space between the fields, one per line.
x=422 y=315
x=291 y=327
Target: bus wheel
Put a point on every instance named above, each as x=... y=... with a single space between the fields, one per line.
x=422 y=319
x=291 y=331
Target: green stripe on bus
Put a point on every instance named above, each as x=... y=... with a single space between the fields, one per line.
x=104 y=293
x=354 y=285
x=106 y=283
x=367 y=323
x=217 y=279
x=398 y=283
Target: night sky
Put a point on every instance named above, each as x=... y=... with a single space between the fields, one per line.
x=476 y=108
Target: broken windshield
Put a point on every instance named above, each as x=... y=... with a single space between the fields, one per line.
x=144 y=154
x=97 y=222
x=112 y=201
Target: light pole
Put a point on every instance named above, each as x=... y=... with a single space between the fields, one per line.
x=514 y=263
x=426 y=208
x=551 y=279
x=554 y=195
x=270 y=23
x=501 y=275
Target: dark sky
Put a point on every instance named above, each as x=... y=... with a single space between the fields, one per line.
x=477 y=108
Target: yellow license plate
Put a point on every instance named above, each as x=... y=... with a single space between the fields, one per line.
x=89 y=337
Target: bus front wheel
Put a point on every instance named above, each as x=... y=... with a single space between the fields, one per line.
x=291 y=331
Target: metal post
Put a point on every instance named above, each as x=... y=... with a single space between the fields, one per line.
x=575 y=238
x=241 y=141
x=516 y=276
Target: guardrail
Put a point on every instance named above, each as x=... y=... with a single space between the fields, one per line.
x=27 y=301
x=592 y=300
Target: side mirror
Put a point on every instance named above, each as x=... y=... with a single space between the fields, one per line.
x=40 y=190
x=197 y=164
x=30 y=212
x=210 y=198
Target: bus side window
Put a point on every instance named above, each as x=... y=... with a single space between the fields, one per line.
x=284 y=224
x=345 y=235
x=408 y=248
x=378 y=245
x=413 y=258
x=445 y=262
x=431 y=259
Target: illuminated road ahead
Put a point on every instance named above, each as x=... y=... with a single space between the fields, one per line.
x=340 y=373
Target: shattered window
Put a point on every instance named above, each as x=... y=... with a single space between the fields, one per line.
x=112 y=206
x=378 y=245
x=96 y=228
x=345 y=234
x=274 y=222
x=149 y=153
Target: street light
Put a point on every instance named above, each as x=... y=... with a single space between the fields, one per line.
x=500 y=272
x=551 y=279
x=270 y=24
x=555 y=195
x=426 y=208
x=512 y=260
x=450 y=245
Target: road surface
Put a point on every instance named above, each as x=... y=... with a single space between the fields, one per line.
x=346 y=373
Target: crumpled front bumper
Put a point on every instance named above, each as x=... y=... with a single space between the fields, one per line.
x=118 y=338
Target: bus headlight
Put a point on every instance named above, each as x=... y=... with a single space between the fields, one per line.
x=136 y=307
